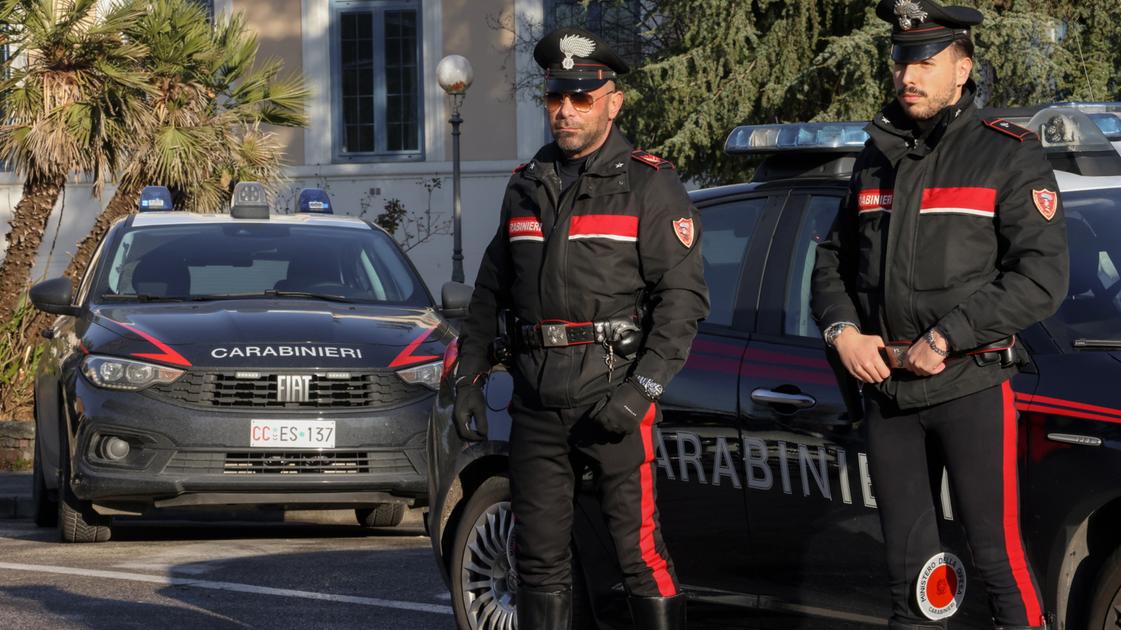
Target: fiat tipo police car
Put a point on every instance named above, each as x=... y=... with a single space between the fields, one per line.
x=240 y=359
x=764 y=493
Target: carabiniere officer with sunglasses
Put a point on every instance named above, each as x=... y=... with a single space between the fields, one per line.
x=597 y=260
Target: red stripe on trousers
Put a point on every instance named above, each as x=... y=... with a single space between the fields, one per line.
x=654 y=560
x=613 y=224
x=973 y=198
x=1013 y=543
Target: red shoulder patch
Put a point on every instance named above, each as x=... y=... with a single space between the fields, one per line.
x=1007 y=128
x=650 y=159
x=521 y=167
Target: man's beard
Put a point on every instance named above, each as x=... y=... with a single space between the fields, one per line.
x=927 y=110
x=578 y=142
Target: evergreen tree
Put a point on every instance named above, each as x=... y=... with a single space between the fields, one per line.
x=708 y=65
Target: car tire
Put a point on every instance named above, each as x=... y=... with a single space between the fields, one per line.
x=45 y=508
x=77 y=521
x=1105 y=607
x=483 y=578
x=381 y=515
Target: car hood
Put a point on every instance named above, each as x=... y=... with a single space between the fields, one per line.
x=257 y=333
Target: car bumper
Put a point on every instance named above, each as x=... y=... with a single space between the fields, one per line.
x=190 y=457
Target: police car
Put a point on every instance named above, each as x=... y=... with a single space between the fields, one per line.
x=766 y=502
x=240 y=359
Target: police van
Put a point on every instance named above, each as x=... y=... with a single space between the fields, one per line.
x=764 y=492
x=236 y=359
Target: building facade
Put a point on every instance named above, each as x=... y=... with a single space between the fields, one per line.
x=378 y=129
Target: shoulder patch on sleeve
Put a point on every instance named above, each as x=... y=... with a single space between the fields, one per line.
x=1007 y=128
x=650 y=159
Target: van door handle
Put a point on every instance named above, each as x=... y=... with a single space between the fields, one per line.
x=771 y=397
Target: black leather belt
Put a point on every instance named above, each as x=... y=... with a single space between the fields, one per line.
x=556 y=334
x=997 y=352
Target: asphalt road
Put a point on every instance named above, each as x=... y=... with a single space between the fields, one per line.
x=220 y=575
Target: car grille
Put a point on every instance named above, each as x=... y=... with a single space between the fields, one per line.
x=291 y=463
x=257 y=390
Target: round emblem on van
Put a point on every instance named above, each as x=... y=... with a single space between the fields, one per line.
x=940 y=588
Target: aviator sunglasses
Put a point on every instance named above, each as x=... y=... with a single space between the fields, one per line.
x=581 y=101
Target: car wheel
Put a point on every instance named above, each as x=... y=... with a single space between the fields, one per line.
x=46 y=508
x=381 y=515
x=1105 y=611
x=77 y=521
x=483 y=578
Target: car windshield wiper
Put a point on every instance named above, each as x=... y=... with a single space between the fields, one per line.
x=269 y=293
x=141 y=297
x=1092 y=344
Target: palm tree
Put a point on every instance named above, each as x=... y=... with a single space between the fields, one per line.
x=209 y=104
x=68 y=106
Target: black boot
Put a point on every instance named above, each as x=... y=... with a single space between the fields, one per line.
x=657 y=613
x=544 y=610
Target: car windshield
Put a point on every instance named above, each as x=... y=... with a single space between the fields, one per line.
x=1092 y=309
x=223 y=260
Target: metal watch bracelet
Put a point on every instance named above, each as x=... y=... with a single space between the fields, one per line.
x=834 y=330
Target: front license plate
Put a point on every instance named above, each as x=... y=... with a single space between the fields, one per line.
x=292 y=433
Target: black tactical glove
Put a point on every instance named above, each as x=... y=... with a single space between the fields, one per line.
x=470 y=402
x=624 y=410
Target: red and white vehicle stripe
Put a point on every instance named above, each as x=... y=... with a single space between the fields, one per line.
x=875 y=200
x=978 y=202
x=612 y=227
x=525 y=229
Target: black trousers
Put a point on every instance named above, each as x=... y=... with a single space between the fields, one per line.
x=975 y=438
x=548 y=448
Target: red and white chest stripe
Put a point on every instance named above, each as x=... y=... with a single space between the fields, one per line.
x=978 y=202
x=525 y=229
x=608 y=226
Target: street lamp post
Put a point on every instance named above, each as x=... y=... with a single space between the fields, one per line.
x=455 y=75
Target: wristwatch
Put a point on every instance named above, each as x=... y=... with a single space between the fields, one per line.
x=650 y=388
x=832 y=332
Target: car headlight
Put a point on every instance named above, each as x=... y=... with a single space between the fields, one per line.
x=427 y=375
x=126 y=374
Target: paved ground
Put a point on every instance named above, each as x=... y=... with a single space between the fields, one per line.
x=305 y=571
x=223 y=575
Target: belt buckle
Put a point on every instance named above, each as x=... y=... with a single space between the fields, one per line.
x=554 y=335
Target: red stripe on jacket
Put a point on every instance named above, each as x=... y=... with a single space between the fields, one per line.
x=981 y=199
x=604 y=225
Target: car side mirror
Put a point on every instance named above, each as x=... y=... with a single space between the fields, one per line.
x=54 y=296
x=456 y=297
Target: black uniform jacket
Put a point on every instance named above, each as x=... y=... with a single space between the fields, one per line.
x=949 y=231
x=625 y=227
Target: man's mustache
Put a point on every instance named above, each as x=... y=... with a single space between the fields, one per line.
x=909 y=90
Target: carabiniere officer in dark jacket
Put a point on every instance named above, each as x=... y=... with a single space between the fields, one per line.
x=951 y=241
x=597 y=261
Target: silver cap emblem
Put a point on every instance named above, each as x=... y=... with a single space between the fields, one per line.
x=910 y=14
x=575 y=45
